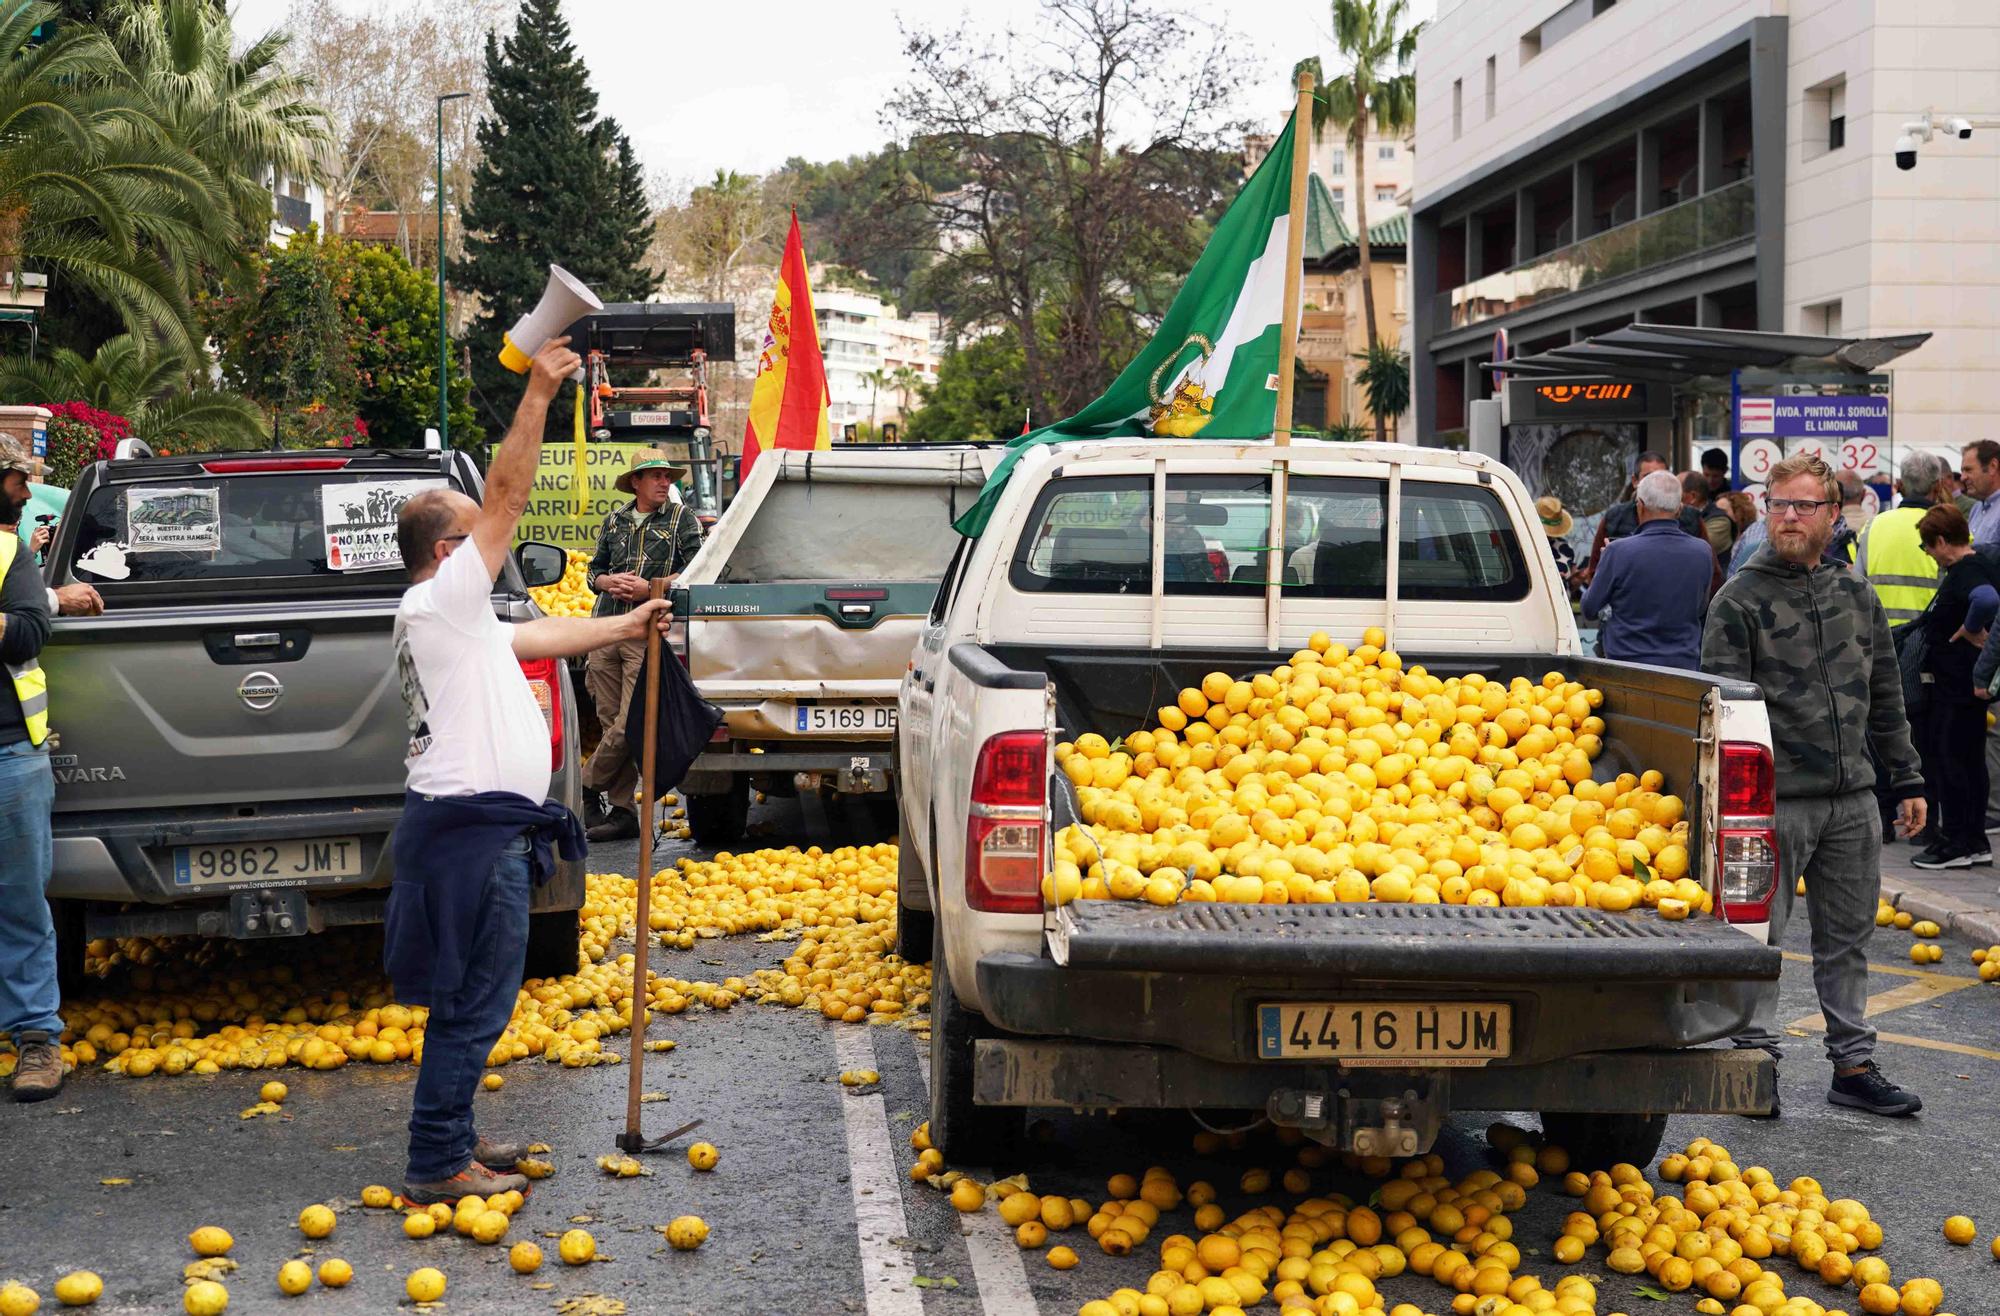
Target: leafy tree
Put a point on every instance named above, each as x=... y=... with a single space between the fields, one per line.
x=865 y=212
x=391 y=317
x=977 y=394
x=284 y=340
x=128 y=377
x=1087 y=149
x=242 y=114
x=1385 y=381
x=92 y=189
x=1379 y=84
x=555 y=183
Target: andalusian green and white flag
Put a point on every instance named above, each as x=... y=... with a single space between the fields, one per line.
x=1212 y=368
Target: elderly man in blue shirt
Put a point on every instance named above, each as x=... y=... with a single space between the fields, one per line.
x=1651 y=588
x=1980 y=467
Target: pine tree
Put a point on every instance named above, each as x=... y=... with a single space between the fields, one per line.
x=555 y=185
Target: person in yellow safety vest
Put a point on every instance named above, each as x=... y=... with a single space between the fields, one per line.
x=28 y=991
x=1888 y=556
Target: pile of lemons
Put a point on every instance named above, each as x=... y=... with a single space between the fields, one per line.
x=220 y=1009
x=1332 y=1254
x=571 y=596
x=1341 y=776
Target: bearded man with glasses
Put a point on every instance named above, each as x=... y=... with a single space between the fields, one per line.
x=1814 y=638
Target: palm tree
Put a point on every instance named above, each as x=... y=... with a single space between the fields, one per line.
x=91 y=189
x=1384 y=378
x=875 y=379
x=905 y=380
x=245 y=116
x=1378 y=84
x=147 y=388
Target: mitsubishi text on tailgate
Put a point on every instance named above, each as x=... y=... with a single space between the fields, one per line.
x=228 y=737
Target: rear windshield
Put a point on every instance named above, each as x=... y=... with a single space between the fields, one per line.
x=335 y=527
x=825 y=530
x=1094 y=536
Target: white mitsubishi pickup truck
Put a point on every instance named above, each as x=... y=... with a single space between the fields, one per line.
x=1095 y=593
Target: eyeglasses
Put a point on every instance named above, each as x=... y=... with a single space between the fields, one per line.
x=1804 y=507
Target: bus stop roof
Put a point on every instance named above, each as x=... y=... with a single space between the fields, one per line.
x=1674 y=354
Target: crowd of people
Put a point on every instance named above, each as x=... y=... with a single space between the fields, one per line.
x=1937 y=577
x=1871 y=636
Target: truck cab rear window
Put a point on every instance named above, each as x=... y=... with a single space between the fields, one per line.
x=199 y=530
x=1093 y=535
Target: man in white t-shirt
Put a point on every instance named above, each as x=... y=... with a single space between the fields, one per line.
x=477 y=830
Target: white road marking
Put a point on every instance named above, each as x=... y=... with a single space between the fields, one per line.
x=887 y=1272
x=997 y=1265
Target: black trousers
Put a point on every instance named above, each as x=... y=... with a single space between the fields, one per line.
x=1955 y=747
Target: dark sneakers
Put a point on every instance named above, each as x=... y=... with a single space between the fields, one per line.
x=619 y=825
x=1869 y=1091
x=38 y=1073
x=1943 y=856
x=474 y=1179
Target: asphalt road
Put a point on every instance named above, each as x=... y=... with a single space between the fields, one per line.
x=811 y=1208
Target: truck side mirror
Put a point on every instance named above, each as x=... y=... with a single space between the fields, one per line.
x=541 y=564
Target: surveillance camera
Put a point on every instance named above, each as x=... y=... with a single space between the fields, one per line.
x=1906 y=152
x=1959 y=127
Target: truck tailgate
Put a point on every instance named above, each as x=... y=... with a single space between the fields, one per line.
x=1422 y=942
x=173 y=707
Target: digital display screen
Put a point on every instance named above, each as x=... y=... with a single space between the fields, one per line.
x=1585 y=398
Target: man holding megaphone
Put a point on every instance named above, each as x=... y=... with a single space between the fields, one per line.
x=478 y=828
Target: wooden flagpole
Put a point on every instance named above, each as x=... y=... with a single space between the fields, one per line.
x=1288 y=347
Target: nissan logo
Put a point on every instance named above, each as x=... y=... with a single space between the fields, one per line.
x=260 y=690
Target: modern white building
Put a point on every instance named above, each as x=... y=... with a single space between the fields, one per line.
x=864 y=343
x=1723 y=163
x=1389 y=165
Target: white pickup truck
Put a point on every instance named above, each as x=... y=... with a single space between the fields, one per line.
x=1094 y=594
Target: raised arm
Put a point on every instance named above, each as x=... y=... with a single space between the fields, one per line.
x=511 y=477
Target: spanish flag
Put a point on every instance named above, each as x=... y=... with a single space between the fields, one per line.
x=788 y=401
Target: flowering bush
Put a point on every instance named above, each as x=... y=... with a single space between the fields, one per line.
x=108 y=425
x=73 y=445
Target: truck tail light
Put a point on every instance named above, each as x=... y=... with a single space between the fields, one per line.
x=1006 y=832
x=1746 y=839
x=545 y=680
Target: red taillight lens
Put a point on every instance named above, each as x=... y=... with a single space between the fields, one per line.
x=1006 y=831
x=1746 y=842
x=265 y=465
x=1748 y=780
x=1218 y=564
x=545 y=681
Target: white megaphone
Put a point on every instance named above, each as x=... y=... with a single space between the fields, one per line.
x=564 y=299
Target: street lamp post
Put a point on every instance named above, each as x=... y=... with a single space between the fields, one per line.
x=444 y=327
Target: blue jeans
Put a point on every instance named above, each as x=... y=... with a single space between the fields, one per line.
x=461 y=1031
x=28 y=993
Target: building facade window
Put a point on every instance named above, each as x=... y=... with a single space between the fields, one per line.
x=1822 y=318
x=1492 y=83
x=1826 y=116
x=1457 y=107
x=1339 y=196
x=1385 y=194
x=1385 y=152
x=1339 y=164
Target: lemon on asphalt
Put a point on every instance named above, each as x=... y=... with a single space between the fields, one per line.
x=377 y=1196
x=18 y=1300
x=419 y=1224
x=79 y=1288
x=524 y=1257
x=273 y=1092
x=335 y=1273
x=205 y=1298
x=316 y=1221
x=425 y=1284
x=687 y=1232
x=702 y=1156
x=294 y=1278
x=576 y=1247
x=1959 y=1229
x=210 y=1241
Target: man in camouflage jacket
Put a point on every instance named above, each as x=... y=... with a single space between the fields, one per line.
x=1816 y=641
x=652 y=536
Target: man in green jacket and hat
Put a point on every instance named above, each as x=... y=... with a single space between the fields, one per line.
x=652 y=536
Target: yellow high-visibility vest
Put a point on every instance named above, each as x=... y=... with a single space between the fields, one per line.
x=31 y=683
x=1904 y=576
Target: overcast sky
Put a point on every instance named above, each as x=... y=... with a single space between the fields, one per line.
x=745 y=85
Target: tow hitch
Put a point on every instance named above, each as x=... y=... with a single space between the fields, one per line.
x=1368 y=1116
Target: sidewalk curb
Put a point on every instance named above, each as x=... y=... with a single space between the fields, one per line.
x=1961 y=920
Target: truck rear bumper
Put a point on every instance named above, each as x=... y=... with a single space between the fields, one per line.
x=122 y=863
x=863 y=766
x=1214 y=1015
x=1091 y=1075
